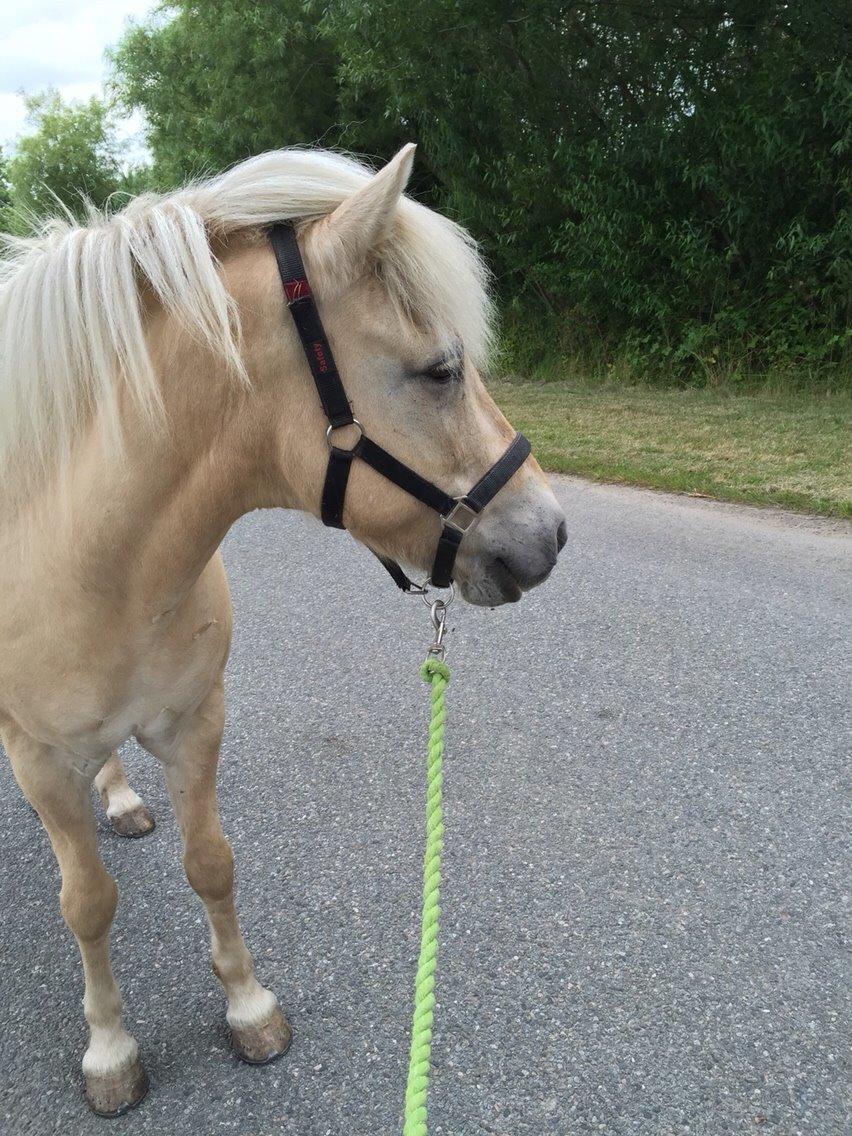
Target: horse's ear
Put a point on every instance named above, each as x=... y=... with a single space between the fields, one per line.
x=361 y=222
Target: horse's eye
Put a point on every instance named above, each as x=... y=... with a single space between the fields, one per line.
x=447 y=371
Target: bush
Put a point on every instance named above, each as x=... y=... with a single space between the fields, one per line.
x=671 y=178
x=668 y=182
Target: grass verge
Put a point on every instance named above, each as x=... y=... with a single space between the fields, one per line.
x=791 y=450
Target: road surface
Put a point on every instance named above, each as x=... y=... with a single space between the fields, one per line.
x=643 y=884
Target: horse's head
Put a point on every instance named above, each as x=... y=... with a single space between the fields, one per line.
x=400 y=293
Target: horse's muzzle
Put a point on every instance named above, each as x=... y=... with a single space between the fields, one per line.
x=501 y=574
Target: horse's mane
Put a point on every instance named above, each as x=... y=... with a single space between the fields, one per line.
x=71 y=328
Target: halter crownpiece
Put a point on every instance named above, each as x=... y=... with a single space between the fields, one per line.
x=457 y=513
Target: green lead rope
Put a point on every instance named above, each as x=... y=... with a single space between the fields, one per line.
x=437 y=674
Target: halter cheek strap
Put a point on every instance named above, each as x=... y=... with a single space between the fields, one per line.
x=457 y=513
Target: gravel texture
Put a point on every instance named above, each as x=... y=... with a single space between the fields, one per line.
x=642 y=929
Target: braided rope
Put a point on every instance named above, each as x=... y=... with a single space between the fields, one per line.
x=437 y=673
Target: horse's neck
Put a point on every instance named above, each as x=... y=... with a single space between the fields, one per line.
x=138 y=527
x=170 y=514
x=139 y=524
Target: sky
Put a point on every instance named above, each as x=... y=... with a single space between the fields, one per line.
x=59 y=43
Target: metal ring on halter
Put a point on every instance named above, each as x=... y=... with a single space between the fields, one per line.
x=331 y=430
x=425 y=594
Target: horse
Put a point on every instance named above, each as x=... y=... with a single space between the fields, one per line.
x=153 y=390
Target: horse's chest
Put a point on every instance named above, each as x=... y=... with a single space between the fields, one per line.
x=169 y=680
x=85 y=690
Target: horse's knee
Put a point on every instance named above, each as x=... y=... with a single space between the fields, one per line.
x=209 y=866
x=88 y=904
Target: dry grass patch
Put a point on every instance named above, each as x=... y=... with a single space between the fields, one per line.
x=791 y=450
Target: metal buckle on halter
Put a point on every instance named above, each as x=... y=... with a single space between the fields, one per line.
x=461 y=516
x=343 y=426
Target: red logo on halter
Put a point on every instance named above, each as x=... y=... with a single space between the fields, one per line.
x=296 y=289
x=319 y=355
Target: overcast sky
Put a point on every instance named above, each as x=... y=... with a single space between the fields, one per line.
x=58 y=43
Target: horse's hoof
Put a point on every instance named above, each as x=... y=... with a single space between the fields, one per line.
x=113 y=1094
x=133 y=823
x=258 y=1045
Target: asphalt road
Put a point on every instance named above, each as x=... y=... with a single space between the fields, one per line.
x=644 y=845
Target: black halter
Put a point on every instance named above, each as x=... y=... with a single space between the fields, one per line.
x=457 y=513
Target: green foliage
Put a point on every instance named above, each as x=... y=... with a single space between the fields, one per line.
x=671 y=178
x=71 y=155
x=220 y=82
x=666 y=185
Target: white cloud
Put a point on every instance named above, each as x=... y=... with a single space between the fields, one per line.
x=11 y=117
x=59 y=44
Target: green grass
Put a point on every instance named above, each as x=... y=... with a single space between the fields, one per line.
x=792 y=449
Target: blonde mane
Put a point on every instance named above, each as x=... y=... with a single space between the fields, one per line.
x=72 y=334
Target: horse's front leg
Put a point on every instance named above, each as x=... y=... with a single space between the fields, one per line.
x=124 y=809
x=60 y=791
x=190 y=756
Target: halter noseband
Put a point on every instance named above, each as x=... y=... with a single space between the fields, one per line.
x=457 y=513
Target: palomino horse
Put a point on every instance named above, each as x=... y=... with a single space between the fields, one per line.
x=152 y=390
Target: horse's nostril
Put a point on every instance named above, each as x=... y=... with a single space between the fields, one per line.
x=562 y=535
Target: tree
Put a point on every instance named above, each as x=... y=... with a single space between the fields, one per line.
x=670 y=180
x=673 y=176
x=5 y=196
x=71 y=155
x=220 y=82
